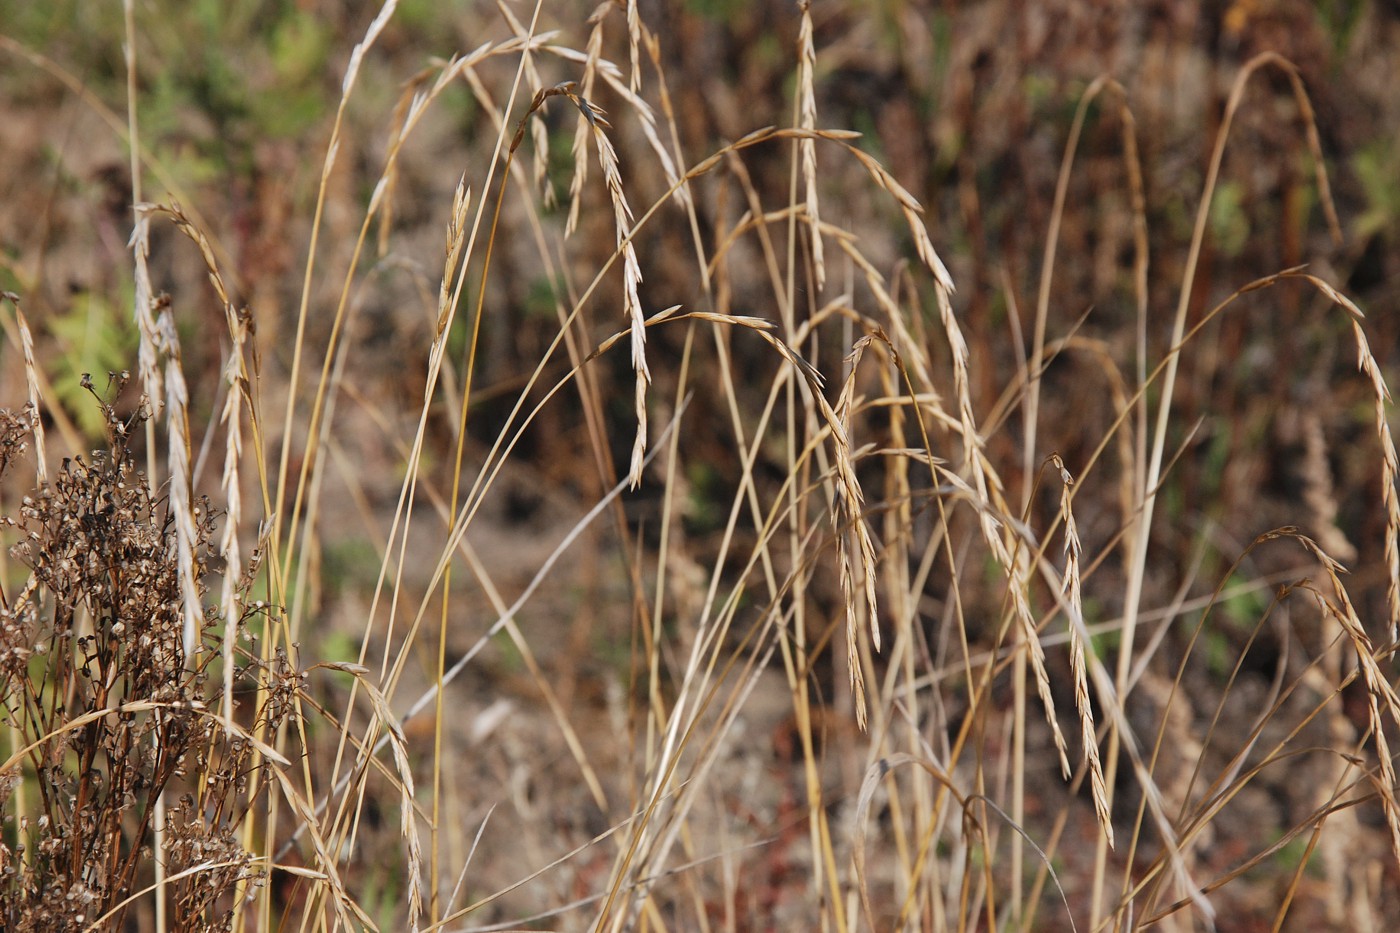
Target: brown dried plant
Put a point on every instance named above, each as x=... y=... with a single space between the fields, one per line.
x=107 y=712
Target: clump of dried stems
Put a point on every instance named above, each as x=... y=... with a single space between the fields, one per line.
x=169 y=749
x=108 y=713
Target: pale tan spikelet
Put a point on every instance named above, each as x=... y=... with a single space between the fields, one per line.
x=595 y=118
x=596 y=121
x=1390 y=472
x=631 y=278
x=852 y=498
x=1072 y=593
x=181 y=504
x=594 y=64
x=456 y=238
x=579 y=151
x=806 y=67
x=1018 y=584
x=847 y=503
x=408 y=110
x=852 y=648
x=634 y=43
x=357 y=54
x=1010 y=554
x=148 y=349
x=958 y=347
x=412 y=92
x=31 y=378
x=539 y=135
x=850 y=520
x=166 y=343
x=235 y=374
x=984 y=480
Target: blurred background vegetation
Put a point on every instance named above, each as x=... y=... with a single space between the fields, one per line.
x=968 y=105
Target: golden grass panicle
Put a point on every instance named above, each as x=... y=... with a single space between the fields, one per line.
x=631 y=276
x=1071 y=591
x=634 y=42
x=1390 y=464
x=1379 y=692
x=850 y=513
x=182 y=507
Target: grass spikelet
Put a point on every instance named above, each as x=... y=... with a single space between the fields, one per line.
x=806 y=82
x=165 y=344
x=634 y=43
x=646 y=115
x=631 y=278
x=182 y=508
x=31 y=379
x=1071 y=591
x=148 y=346
x=908 y=350
x=456 y=239
x=912 y=210
x=1390 y=464
x=1018 y=585
x=852 y=523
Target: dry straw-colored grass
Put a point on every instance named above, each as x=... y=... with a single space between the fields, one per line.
x=868 y=557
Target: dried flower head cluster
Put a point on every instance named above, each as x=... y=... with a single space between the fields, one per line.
x=106 y=710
